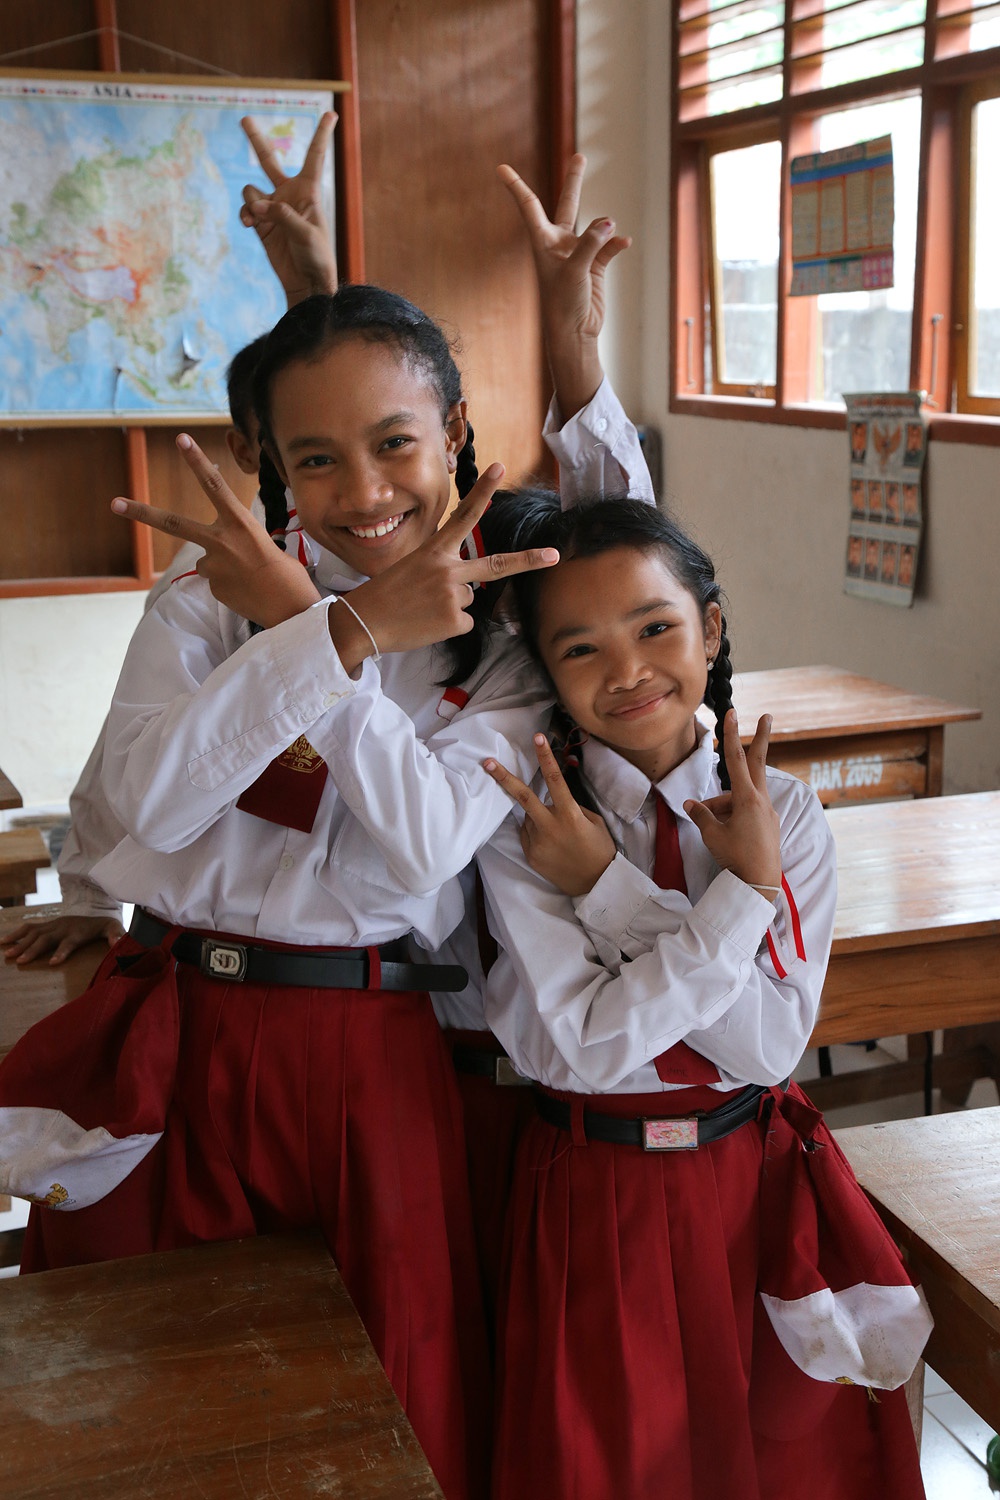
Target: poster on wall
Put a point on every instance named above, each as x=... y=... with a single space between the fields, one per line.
x=843 y=212
x=127 y=282
x=888 y=440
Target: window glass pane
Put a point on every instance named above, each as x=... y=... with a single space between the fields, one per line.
x=745 y=45
x=984 y=314
x=863 y=338
x=859 y=41
x=745 y=206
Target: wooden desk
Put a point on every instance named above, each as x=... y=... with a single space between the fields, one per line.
x=9 y=794
x=935 y=1183
x=22 y=852
x=917 y=938
x=851 y=738
x=35 y=990
x=229 y=1370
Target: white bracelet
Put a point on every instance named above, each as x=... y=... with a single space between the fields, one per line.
x=339 y=599
x=759 y=887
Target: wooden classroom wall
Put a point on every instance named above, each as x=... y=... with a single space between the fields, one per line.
x=769 y=502
x=447 y=90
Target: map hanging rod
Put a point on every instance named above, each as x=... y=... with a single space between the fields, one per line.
x=125 y=36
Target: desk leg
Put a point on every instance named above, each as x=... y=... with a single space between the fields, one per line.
x=935 y=760
x=915 y=1400
x=985 y=1039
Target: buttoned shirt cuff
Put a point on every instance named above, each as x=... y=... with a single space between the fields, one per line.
x=736 y=911
x=84 y=898
x=307 y=662
x=610 y=907
x=601 y=423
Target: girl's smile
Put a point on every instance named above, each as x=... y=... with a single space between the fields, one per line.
x=366 y=450
x=628 y=646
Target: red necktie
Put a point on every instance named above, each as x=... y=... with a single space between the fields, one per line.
x=680 y=1063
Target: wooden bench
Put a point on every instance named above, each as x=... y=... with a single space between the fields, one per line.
x=917 y=940
x=935 y=1182
x=229 y=1370
x=853 y=739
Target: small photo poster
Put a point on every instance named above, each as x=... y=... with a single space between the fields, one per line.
x=843 y=212
x=887 y=436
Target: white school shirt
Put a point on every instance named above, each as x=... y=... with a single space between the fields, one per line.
x=93 y=827
x=202 y=708
x=586 y=993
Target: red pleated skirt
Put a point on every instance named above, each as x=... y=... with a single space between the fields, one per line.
x=494 y=1117
x=636 y=1360
x=291 y=1108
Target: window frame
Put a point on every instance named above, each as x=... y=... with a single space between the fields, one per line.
x=948 y=87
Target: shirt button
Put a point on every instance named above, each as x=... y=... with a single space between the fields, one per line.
x=329 y=699
x=285 y=862
x=601 y=424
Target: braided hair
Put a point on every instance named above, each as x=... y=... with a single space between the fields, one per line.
x=305 y=333
x=534 y=518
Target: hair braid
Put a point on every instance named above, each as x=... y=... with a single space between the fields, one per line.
x=719 y=697
x=466 y=473
x=273 y=498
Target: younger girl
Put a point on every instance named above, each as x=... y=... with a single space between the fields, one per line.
x=682 y=1314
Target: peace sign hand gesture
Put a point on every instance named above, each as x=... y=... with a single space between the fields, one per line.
x=289 y=221
x=245 y=570
x=740 y=828
x=424 y=598
x=570 y=268
x=568 y=845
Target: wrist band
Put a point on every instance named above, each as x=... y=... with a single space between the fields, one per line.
x=339 y=599
x=759 y=887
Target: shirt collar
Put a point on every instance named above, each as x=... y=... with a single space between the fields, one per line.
x=624 y=789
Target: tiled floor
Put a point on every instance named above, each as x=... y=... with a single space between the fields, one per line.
x=953 y=1450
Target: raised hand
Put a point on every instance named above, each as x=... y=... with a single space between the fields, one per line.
x=570 y=268
x=289 y=221
x=424 y=597
x=568 y=845
x=244 y=569
x=740 y=828
x=35 y=937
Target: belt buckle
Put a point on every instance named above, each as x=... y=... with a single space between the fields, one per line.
x=223 y=960
x=506 y=1076
x=677 y=1134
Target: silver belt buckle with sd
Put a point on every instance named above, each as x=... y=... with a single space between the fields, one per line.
x=678 y=1134
x=223 y=960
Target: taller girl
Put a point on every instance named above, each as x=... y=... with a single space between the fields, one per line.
x=257 y=1054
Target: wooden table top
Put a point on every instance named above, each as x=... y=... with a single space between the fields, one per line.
x=29 y=992
x=937 y=1174
x=917 y=872
x=9 y=794
x=226 y=1371
x=826 y=702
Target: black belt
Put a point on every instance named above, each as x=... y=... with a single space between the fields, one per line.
x=484 y=1063
x=664 y=1133
x=249 y=963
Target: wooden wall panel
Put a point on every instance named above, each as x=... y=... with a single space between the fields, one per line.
x=448 y=90
x=252 y=38
x=56 y=489
x=30 y=25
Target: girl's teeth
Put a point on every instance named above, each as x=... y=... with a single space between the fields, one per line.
x=382 y=529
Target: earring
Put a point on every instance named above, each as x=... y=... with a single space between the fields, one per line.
x=710 y=663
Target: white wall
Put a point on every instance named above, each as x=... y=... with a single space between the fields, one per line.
x=769 y=503
x=59 y=662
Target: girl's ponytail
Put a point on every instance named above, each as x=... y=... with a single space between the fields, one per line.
x=466 y=473
x=273 y=499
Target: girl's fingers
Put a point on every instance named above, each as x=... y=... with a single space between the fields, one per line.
x=701 y=816
x=560 y=793
x=161 y=520
x=735 y=758
x=569 y=198
x=757 y=752
x=535 y=218
x=472 y=509
x=312 y=167
x=210 y=478
x=592 y=242
x=263 y=150
x=515 y=788
x=505 y=564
